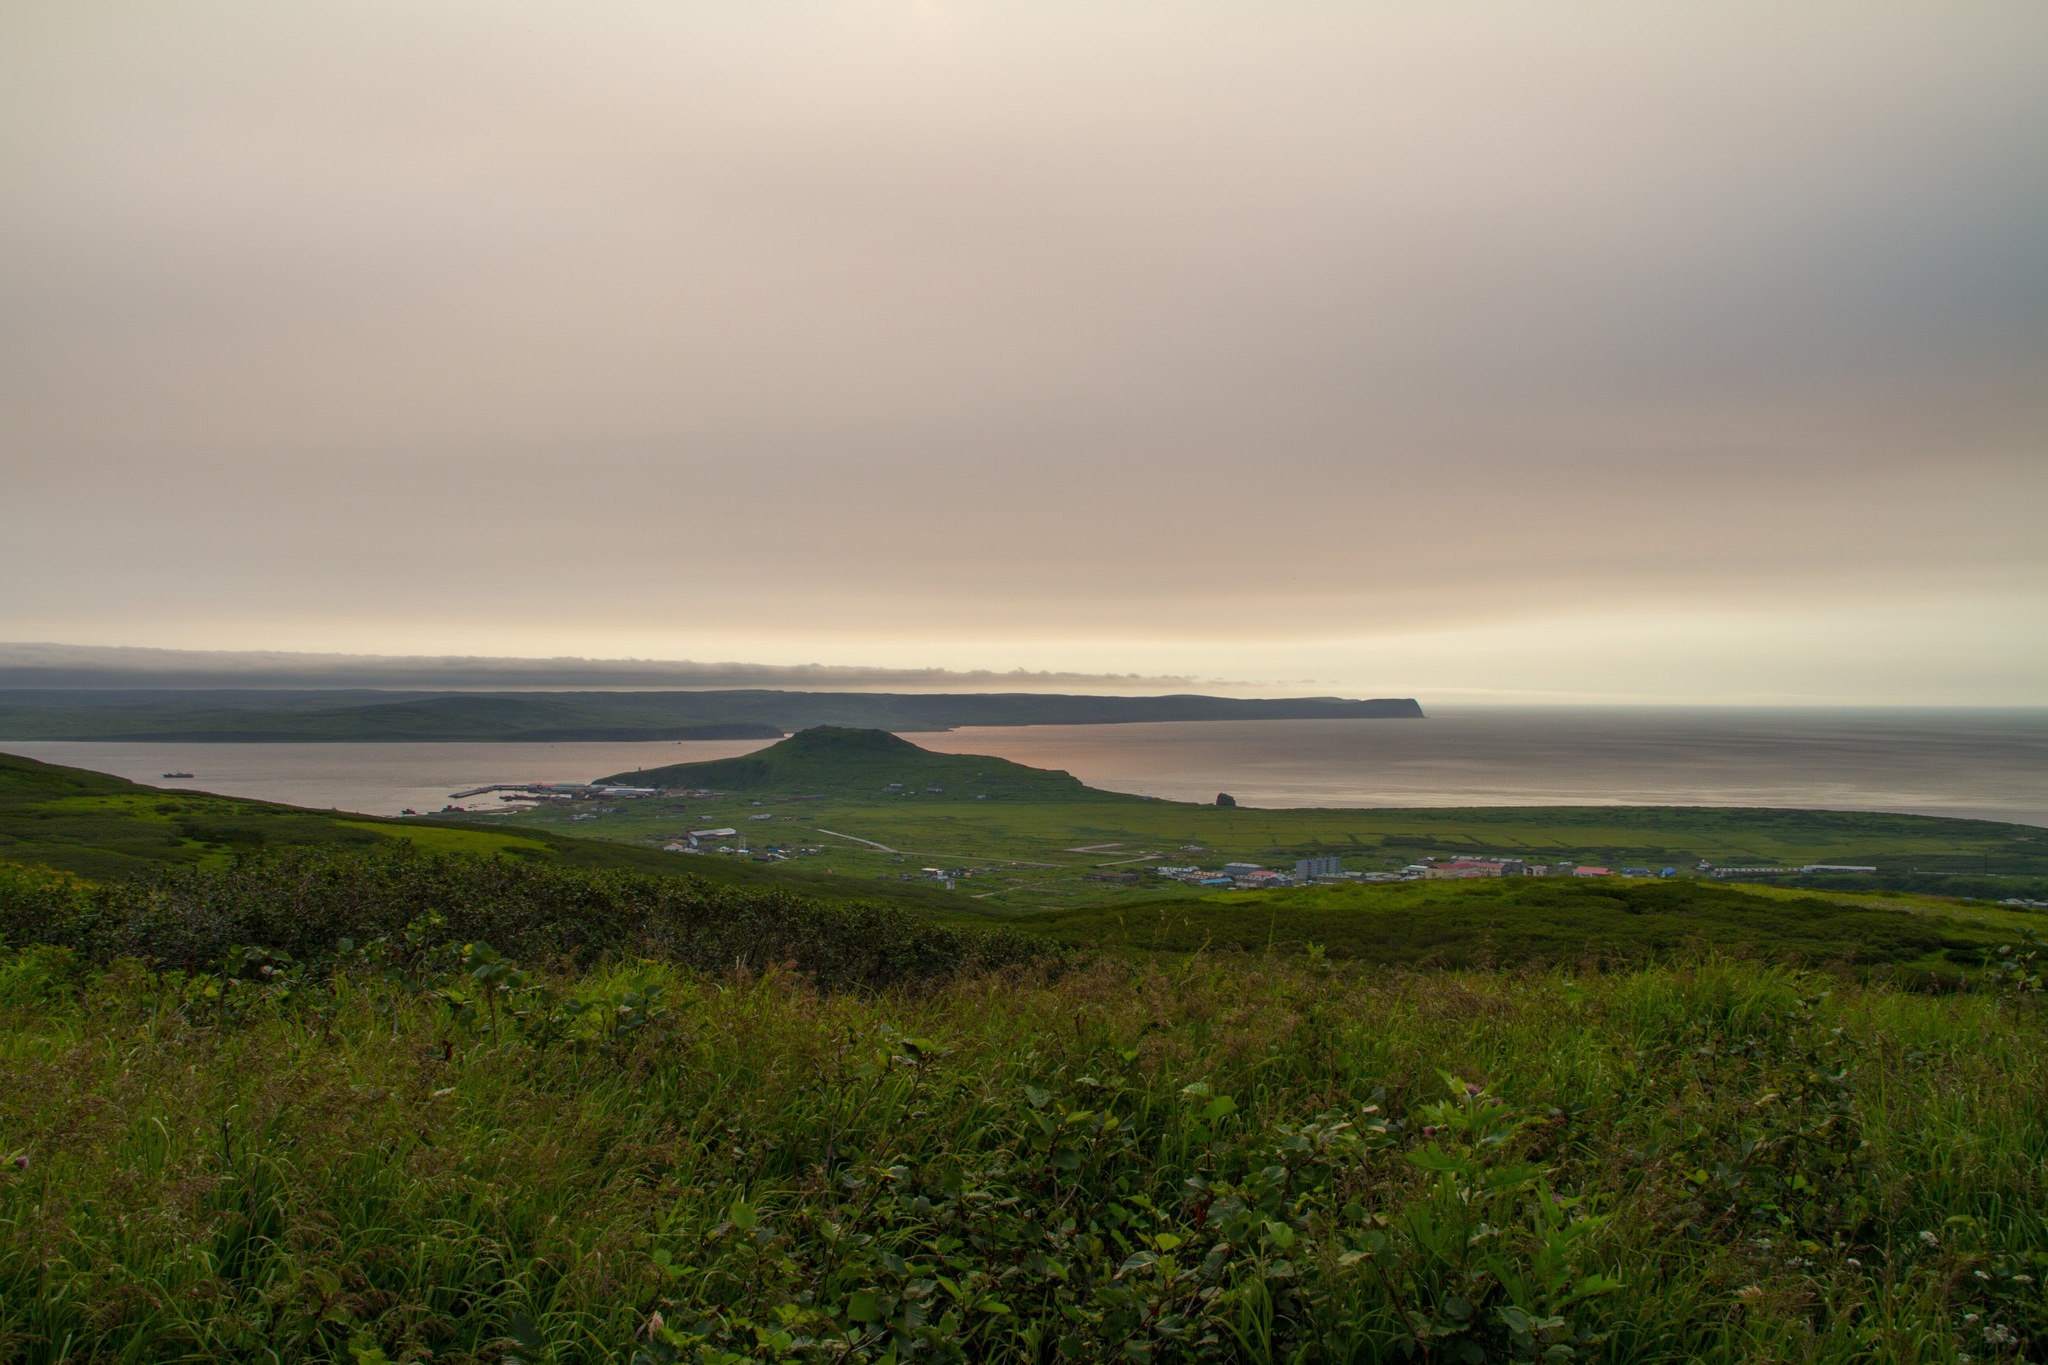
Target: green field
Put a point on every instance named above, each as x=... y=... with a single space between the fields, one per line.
x=1030 y=837
x=1519 y=920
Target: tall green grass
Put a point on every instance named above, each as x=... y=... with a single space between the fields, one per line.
x=1536 y=919
x=430 y=1153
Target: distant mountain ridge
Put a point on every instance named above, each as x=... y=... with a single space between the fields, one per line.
x=239 y=716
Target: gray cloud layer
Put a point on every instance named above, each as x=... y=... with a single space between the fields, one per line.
x=1126 y=336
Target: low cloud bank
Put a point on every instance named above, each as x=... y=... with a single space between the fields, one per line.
x=36 y=665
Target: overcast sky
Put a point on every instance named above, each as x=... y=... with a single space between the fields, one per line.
x=1648 y=352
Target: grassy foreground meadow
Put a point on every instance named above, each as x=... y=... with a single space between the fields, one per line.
x=356 y=1132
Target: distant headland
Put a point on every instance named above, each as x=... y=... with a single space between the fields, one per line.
x=245 y=715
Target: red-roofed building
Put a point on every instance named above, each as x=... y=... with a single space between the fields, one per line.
x=1458 y=868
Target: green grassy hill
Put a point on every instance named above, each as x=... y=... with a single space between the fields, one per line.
x=103 y=828
x=837 y=761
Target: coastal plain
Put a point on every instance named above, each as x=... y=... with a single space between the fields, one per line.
x=864 y=805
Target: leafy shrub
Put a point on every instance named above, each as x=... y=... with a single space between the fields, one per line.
x=306 y=903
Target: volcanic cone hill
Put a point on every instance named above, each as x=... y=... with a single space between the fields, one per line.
x=830 y=760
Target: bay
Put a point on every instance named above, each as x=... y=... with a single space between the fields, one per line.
x=1977 y=763
x=1980 y=764
x=371 y=779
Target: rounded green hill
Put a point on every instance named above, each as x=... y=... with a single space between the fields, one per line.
x=839 y=760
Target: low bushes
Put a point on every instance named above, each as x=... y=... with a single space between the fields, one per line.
x=307 y=903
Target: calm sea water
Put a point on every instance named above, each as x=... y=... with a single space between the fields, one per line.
x=1988 y=764
x=377 y=779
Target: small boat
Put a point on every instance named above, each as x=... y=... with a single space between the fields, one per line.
x=180 y=775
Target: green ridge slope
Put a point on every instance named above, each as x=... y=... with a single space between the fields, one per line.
x=106 y=828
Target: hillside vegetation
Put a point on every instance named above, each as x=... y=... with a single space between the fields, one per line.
x=104 y=828
x=441 y=1154
x=307 y=901
x=317 y=906
x=378 y=1103
x=303 y=1097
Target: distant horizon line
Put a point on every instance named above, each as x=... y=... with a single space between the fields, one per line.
x=43 y=666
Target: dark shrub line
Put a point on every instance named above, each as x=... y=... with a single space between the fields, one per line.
x=307 y=902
